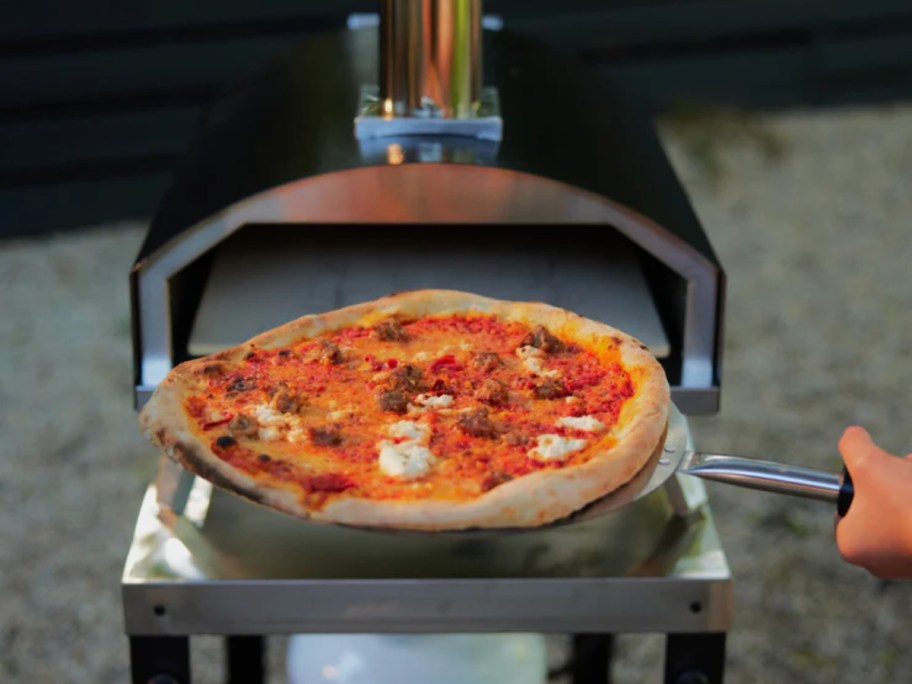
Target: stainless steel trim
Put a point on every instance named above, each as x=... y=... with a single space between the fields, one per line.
x=430 y=57
x=358 y=20
x=371 y=122
x=625 y=605
x=429 y=194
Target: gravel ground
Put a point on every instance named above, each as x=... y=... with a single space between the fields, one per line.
x=810 y=214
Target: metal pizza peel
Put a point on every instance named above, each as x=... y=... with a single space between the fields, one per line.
x=674 y=457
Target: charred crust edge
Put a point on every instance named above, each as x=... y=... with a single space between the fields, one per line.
x=194 y=460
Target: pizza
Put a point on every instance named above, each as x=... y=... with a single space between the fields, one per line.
x=423 y=410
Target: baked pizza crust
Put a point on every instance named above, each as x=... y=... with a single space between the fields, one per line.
x=528 y=501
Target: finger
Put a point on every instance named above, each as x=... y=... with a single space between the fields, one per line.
x=908 y=457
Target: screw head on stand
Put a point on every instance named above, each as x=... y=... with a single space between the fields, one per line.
x=692 y=677
x=162 y=679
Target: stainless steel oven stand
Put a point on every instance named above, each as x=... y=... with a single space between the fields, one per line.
x=227 y=567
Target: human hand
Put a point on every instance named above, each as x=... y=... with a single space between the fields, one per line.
x=876 y=533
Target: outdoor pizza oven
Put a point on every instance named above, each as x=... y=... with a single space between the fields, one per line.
x=428 y=153
x=421 y=151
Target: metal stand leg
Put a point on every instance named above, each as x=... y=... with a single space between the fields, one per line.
x=245 y=659
x=695 y=658
x=160 y=660
x=591 y=662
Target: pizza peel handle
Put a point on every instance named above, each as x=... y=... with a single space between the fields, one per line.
x=772 y=477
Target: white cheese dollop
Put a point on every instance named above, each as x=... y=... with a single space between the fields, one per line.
x=585 y=423
x=406 y=460
x=531 y=358
x=554 y=447
x=269 y=434
x=275 y=425
x=272 y=423
x=410 y=458
x=298 y=435
x=268 y=416
x=410 y=430
x=528 y=352
x=430 y=401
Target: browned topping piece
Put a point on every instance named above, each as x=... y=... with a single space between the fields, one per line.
x=330 y=354
x=517 y=439
x=440 y=387
x=225 y=442
x=477 y=423
x=325 y=436
x=213 y=369
x=264 y=458
x=486 y=361
x=393 y=400
x=550 y=389
x=249 y=356
x=495 y=479
x=493 y=392
x=542 y=339
x=390 y=330
x=242 y=385
x=407 y=378
x=287 y=355
x=286 y=401
x=243 y=426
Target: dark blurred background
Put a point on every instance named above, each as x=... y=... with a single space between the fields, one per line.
x=98 y=98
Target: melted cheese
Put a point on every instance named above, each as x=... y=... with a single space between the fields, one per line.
x=275 y=425
x=269 y=417
x=584 y=423
x=531 y=358
x=297 y=435
x=406 y=460
x=554 y=447
x=410 y=458
x=269 y=434
x=426 y=402
x=410 y=430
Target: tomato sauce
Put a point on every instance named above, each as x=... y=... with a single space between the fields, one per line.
x=272 y=402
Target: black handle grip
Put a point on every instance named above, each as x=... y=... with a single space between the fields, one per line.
x=846 y=493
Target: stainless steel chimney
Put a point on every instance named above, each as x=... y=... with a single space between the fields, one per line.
x=430 y=85
x=430 y=58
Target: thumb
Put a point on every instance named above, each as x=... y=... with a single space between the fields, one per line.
x=857 y=447
x=908 y=457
